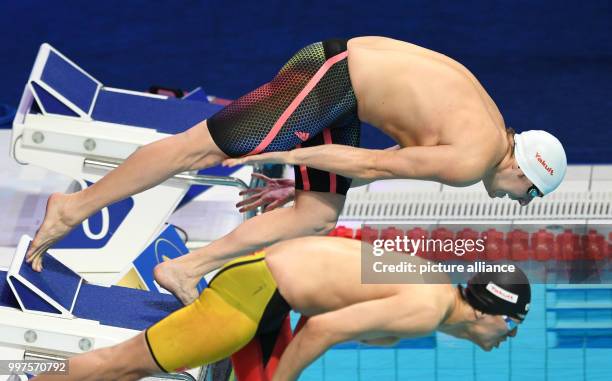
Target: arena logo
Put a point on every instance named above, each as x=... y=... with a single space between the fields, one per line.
x=303 y=136
x=543 y=162
x=502 y=293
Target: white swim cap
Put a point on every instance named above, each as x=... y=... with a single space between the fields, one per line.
x=542 y=159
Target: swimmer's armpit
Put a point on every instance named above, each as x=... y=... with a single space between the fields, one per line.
x=383 y=341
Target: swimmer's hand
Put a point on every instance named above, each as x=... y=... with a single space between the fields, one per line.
x=282 y=157
x=274 y=194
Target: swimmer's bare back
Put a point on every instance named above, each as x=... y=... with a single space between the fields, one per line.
x=321 y=274
x=423 y=98
x=448 y=128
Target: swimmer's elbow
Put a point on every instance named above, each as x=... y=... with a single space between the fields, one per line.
x=317 y=328
x=314 y=225
x=320 y=223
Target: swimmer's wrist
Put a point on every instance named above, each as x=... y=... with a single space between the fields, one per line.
x=291 y=157
x=303 y=156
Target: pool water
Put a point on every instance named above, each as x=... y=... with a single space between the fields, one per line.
x=567 y=336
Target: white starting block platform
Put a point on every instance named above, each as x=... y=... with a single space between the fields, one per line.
x=71 y=130
x=54 y=313
x=69 y=123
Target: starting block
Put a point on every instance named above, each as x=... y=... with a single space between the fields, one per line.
x=54 y=312
x=70 y=123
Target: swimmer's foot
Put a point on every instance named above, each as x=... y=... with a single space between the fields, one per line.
x=172 y=276
x=56 y=224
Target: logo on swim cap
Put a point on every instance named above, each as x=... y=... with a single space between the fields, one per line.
x=501 y=293
x=543 y=162
x=541 y=158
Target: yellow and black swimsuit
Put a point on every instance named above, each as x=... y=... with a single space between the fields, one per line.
x=242 y=301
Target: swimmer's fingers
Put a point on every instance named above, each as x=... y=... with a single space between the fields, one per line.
x=252 y=206
x=274 y=182
x=265 y=200
x=261 y=176
x=249 y=200
x=280 y=197
x=277 y=204
x=250 y=191
x=286 y=182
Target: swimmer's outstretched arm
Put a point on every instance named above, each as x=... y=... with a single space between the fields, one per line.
x=443 y=163
x=371 y=320
x=358 y=182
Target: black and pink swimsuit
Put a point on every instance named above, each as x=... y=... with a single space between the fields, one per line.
x=309 y=102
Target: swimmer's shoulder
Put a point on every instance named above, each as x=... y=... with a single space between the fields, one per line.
x=381 y=43
x=388 y=48
x=421 y=307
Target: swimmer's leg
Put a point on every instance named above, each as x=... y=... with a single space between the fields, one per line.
x=145 y=168
x=313 y=213
x=130 y=360
x=206 y=331
x=319 y=200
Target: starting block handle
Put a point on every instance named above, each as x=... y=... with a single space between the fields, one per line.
x=191 y=179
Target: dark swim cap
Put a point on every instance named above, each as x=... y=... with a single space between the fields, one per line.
x=499 y=293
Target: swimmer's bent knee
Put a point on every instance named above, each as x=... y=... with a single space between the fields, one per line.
x=325 y=227
x=199 y=149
